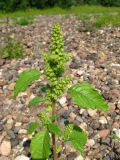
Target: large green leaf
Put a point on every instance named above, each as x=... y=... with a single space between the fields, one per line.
x=35 y=101
x=40 y=145
x=87 y=96
x=54 y=129
x=78 y=138
x=26 y=78
x=32 y=127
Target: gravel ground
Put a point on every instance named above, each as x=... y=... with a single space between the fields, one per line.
x=96 y=59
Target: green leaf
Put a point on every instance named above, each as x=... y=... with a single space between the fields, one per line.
x=40 y=145
x=26 y=78
x=87 y=96
x=54 y=129
x=35 y=101
x=32 y=127
x=78 y=138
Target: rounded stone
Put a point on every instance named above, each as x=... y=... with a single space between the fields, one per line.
x=4 y=158
x=79 y=158
x=5 y=148
x=103 y=120
x=22 y=157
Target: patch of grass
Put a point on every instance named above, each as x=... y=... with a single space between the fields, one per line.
x=83 y=17
x=102 y=15
x=107 y=19
x=13 y=49
x=57 y=10
x=24 y=20
x=100 y=20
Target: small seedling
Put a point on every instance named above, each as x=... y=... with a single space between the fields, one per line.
x=13 y=49
x=83 y=95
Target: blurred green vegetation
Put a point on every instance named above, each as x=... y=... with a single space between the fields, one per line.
x=98 y=15
x=108 y=19
x=14 y=5
x=56 y=10
x=12 y=49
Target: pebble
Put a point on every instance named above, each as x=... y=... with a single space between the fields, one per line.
x=62 y=101
x=18 y=124
x=79 y=119
x=115 y=65
x=72 y=156
x=83 y=126
x=11 y=86
x=79 y=158
x=2 y=136
x=4 y=158
x=8 y=76
x=92 y=113
x=106 y=141
x=16 y=130
x=9 y=123
x=1 y=125
x=72 y=116
x=90 y=142
x=87 y=158
x=112 y=106
x=116 y=125
x=11 y=134
x=82 y=111
x=66 y=114
x=118 y=105
x=68 y=147
x=22 y=157
x=80 y=72
x=103 y=120
x=5 y=148
x=104 y=133
x=14 y=142
x=1 y=82
x=2 y=61
x=74 y=64
x=22 y=131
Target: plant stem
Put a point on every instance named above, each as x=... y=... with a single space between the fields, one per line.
x=53 y=135
x=7 y=30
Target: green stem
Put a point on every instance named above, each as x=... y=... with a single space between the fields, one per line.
x=53 y=135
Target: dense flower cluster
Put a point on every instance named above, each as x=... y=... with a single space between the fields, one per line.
x=67 y=132
x=55 y=65
x=45 y=120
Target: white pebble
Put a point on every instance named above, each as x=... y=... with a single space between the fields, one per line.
x=22 y=131
x=22 y=157
x=103 y=120
x=62 y=101
x=79 y=158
